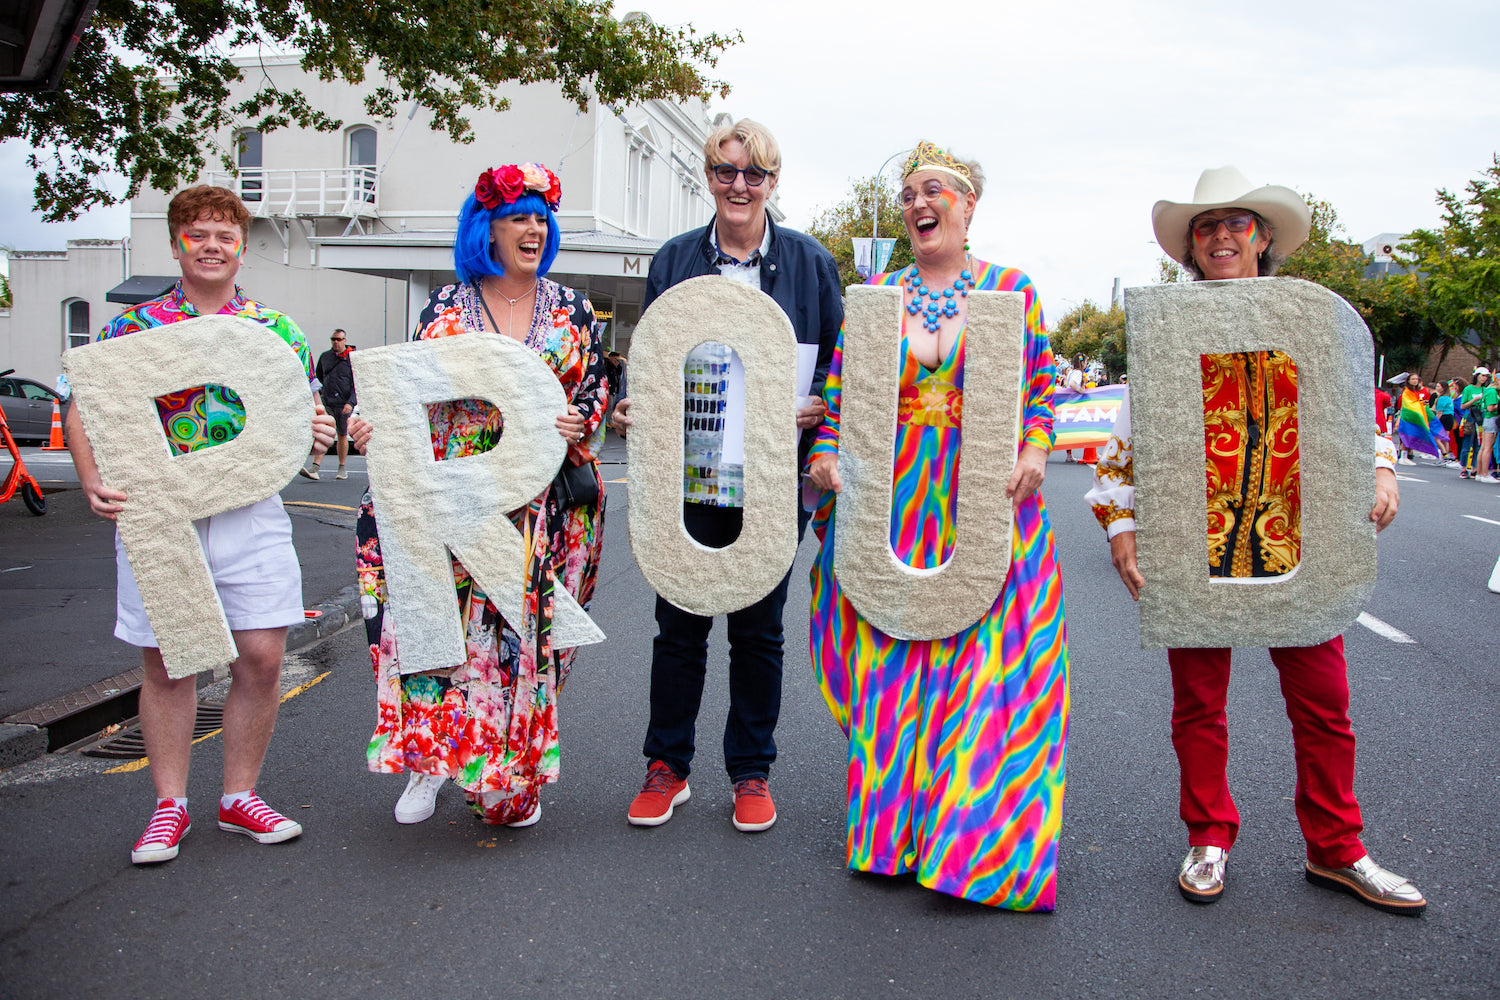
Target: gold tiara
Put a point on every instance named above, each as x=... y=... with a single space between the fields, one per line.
x=928 y=157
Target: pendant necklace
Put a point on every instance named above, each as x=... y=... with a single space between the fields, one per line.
x=510 y=316
x=943 y=303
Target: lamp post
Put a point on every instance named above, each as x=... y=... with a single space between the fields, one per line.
x=874 y=247
x=875 y=223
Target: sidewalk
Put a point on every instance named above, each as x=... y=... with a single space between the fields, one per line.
x=57 y=588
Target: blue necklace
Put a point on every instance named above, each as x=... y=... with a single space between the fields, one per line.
x=942 y=301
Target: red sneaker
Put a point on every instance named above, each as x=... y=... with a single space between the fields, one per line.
x=753 y=809
x=169 y=824
x=258 y=821
x=662 y=792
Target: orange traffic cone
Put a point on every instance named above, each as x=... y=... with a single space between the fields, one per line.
x=1090 y=455
x=56 y=442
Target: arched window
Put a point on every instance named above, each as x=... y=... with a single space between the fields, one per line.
x=248 y=158
x=76 y=327
x=360 y=152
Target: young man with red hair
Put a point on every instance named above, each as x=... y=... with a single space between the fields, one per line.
x=249 y=550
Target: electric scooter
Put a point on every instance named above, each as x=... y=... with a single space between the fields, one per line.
x=31 y=491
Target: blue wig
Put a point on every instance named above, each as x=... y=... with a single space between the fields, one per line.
x=472 y=256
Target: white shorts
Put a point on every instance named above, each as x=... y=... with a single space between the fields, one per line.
x=253 y=565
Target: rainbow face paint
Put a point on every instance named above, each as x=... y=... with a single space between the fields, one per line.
x=187 y=243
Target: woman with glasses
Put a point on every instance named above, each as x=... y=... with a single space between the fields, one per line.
x=1231 y=231
x=955 y=745
x=490 y=724
x=742 y=243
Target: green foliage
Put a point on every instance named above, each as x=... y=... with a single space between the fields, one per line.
x=116 y=112
x=1098 y=334
x=1169 y=272
x=1459 y=264
x=5 y=302
x=853 y=217
x=1389 y=305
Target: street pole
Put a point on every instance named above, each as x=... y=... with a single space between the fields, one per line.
x=875 y=196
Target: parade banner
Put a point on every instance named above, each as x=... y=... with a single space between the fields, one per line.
x=115 y=384
x=1085 y=419
x=428 y=508
x=1170 y=327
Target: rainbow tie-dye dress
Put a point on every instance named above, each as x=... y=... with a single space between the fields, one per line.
x=955 y=745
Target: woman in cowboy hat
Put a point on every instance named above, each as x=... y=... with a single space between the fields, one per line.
x=1231 y=230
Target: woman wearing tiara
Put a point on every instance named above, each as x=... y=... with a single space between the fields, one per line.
x=955 y=744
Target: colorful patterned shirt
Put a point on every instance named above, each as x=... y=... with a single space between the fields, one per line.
x=205 y=415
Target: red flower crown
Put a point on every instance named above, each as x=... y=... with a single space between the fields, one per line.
x=507 y=184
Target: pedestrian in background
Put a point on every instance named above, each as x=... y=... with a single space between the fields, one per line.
x=336 y=377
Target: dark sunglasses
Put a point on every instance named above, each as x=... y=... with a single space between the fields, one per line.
x=725 y=173
x=1233 y=223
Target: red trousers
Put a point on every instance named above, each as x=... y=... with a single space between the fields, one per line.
x=1315 y=684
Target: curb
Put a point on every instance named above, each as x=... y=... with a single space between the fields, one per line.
x=22 y=743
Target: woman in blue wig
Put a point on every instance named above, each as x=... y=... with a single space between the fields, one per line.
x=490 y=724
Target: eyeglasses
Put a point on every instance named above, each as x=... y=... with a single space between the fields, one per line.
x=1233 y=223
x=755 y=176
x=932 y=189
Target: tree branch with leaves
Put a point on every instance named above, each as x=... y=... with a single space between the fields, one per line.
x=854 y=216
x=149 y=85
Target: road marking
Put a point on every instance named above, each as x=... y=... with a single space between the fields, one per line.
x=1409 y=479
x=325 y=506
x=14 y=569
x=144 y=762
x=1380 y=628
x=1472 y=517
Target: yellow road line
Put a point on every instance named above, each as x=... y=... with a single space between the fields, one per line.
x=309 y=503
x=136 y=765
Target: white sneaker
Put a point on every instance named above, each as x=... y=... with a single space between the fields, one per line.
x=307 y=473
x=1486 y=479
x=419 y=801
x=342 y=475
x=532 y=820
x=1450 y=464
x=1403 y=460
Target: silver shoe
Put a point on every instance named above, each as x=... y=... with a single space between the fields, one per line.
x=1201 y=877
x=1372 y=885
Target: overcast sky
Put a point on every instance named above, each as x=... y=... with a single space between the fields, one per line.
x=1083 y=114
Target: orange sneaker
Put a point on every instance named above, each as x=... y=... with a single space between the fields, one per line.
x=662 y=792
x=753 y=809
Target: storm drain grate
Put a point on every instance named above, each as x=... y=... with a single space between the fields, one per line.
x=131 y=745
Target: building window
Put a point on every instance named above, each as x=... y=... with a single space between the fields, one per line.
x=360 y=152
x=638 y=190
x=77 y=327
x=248 y=159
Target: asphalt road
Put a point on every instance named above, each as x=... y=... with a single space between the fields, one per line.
x=583 y=905
x=57 y=575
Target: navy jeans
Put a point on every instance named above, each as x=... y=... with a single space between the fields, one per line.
x=679 y=659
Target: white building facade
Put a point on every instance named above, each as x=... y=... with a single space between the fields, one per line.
x=353 y=229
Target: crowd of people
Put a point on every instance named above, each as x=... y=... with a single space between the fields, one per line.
x=956 y=745
x=1465 y=411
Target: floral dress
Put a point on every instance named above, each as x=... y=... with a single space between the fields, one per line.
x=490 y=723
x=956 y=745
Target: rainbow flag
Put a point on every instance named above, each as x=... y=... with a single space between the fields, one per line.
x=1416 y=432
x=1084 y=419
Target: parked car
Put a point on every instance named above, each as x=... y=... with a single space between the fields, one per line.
x=28 y=408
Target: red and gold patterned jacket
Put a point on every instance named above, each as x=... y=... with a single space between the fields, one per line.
x=1250 y=449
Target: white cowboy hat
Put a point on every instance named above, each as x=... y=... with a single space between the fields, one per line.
x=1399 y=379
x=1226 y=187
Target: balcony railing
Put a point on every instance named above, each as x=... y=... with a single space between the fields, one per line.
x=346 y=192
